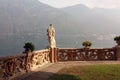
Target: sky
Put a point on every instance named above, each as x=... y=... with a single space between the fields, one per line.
x=88 y=3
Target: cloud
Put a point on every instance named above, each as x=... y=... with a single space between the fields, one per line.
x=105 y=3
x=105 y=37
x=89 y=3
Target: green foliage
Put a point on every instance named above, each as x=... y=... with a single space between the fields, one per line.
x=87 y=43
x=117 y=38
x=29 y=46
x=90 y=72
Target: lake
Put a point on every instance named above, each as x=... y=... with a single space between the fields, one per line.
x=11 y=45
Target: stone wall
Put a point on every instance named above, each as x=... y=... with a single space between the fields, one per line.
x=10 y=66
x=13 y=65
x=86 y=54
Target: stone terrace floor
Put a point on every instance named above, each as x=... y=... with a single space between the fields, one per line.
x=48 y=70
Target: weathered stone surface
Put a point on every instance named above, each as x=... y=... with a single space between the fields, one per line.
x=51 y=36
x=14 y=65
x=118 y=52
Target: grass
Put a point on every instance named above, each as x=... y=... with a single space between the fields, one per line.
x=91 y=72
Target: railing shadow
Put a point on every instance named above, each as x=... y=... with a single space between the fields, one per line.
x=40 y=75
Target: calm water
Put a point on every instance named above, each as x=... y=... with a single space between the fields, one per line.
x=14 y=45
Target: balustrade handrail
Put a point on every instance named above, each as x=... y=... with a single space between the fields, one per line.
x=9 y=57
x=40 y=50
x=84 y=48
x=22 y=54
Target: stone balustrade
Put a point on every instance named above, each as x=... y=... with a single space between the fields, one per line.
x=86 y=54
x=12 y=65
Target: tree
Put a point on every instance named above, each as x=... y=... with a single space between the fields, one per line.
x=117 y=39
x=29 y=47
x=86 y=44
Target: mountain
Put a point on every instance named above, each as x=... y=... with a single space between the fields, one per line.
x=23 y=15
x=95 y=20
x=27 y=20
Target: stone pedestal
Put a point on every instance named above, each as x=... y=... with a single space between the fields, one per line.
x=27 y=61
x=118 y=52
x=53 y=55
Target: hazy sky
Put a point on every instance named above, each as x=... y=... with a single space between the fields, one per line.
x=89 y=3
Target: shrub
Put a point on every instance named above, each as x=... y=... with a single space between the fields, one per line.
x=87 y=43
x=117 y=39
x=29 y=46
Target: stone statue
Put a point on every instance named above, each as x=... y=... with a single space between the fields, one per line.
x=51 y=36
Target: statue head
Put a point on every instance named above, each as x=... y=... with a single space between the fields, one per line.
x=51 y=24
x=51 y=27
